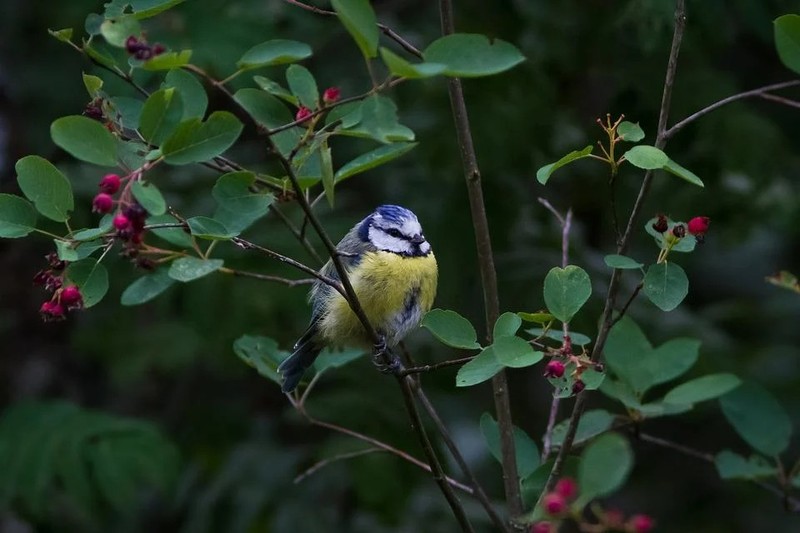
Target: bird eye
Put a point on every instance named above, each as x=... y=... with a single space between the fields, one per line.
x=394 y=232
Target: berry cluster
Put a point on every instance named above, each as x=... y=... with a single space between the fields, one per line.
x=557 y=366
x=63 y=299
x=129 y=220
x=698 y=226
x=556 y=505
x=329 y=96
x=142 y=51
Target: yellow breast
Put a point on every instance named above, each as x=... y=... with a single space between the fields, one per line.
x=395 y=292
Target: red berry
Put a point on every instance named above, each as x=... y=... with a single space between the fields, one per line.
x=567 y=488
x=132 y=44
x=71 y=295
x=698 y=225
x=102 y=203
x=51 y=311
x=158 y=49
x=303 y=113
x=542 y=527
x=641 y=523
x=110 y=183
x=121 y=222
x=554 y=504
x=578 y=386
x=554 y=369
x=330 y=95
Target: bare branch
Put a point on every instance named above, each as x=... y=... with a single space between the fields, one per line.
x=267 y=277
x=325 y=462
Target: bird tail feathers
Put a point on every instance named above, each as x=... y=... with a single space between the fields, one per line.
x=293 y=367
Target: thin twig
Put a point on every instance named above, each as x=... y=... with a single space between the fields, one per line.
x=267 y=277
x=628 y=303
x=437 y=366
x=486 y=267
x=716 y=105
x=297 y=234
x=606 y=319
x=780 y=100
x=325 y=462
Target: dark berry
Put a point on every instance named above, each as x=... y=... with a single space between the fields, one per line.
x=51 y=311
x=661 y=224
x=578 y=386
x=554 y=369
x=679 y=231
x=102 y=203
x=110 y=183
x=71 y=296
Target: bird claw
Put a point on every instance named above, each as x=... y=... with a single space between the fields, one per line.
x=381 y=355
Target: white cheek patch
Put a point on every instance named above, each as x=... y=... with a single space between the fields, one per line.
x=383 y=241
x=424 y=248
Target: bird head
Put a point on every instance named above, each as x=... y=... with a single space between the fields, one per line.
x=395 y=229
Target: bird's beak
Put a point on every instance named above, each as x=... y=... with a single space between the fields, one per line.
x=417 y=239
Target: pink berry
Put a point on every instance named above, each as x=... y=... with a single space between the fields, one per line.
x=110 y=183
x=554 y=369
x=121 y=222
x=567 y=488
x=641 y=523
x=554 y=504
x=303 y=113
x=542 y=527
x=51 y=311
x=330 y=95
x=71 y=295
x=698 y=225
x=102 y=203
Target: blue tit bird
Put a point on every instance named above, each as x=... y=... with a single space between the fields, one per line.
x=394 y=274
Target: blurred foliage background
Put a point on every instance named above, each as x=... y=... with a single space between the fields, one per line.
x=238 y=444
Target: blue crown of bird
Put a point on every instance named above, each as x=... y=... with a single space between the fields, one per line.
x=394 y=274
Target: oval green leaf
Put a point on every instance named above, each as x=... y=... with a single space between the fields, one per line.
x=469 y=55
x=372 y=159
x=302 y=84
x=758 y=418
x=544 y=173
x=514 y=352
x=507 y=324
x=733 y=466
x=17 y=217
x=45 y=186
x=666 y=285
x=604 y=466
x=209 y=229
x=400 y=67
x=275 y=52
x=169 y=60
x=674 y=168
x=646 y=157
x=566 y=290
x=85 y=139
x=592 y=423
x=630 y=132
x=787 y=41
x=702 y=389
x=161 y=114
x=91 y=278
x=359 y=20
x=480 y=369
x=193 y=95
x=192 y=268
x=451 y=329
x=622 y=262
x=234 y=191
x=117 y=30
x=195 y=141
x=275 y=89
x=524 y=447
x=147 y=288
x=149 y=197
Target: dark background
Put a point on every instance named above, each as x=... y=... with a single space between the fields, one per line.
x=171 y=361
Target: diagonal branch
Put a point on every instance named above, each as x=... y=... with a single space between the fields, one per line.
x=486 y=266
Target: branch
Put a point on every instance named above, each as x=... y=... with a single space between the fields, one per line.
x=761 y=91
x=325 y=462
x=486 y=266
x=437 y=366
x=606 y=319
x=267 y=277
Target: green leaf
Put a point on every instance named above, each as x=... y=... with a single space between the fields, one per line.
x=604 y=467
x=276 y=89
x=481 y=368
x=533 y=485
x=193 y=95
x=275 y=52
x=117 y=30
x=143 y=9
x=168 y=60
x=195 y=141
x=758 y=418
x=187 y=269
x=592 y=423
x=17 y=217
x=674 y=168
x=666 y=285
x=348 y=114
x=578 y=339
x=261 y=353
x=65 y=250
x=630 y=132
x=702 y=389
x=161 y=114
x=127 y=111
x=93 y=233
x=514 y=352
x=622 y=262
x=270 y=112
x=686 y=244
x=91 y=278
x=208 y=228
x=177 y=236
x=733 y=466
x=379 y=121
x=507 y=324
x=98 y=53
x=147 y=288
x=370 y=160
x=400 y=67
x=544 y=173
x=235 y=191
x=63 y=35
x=646 y=157
x=468 y=55
x=526 y=451
x=45 y=186
x=537 y=318
x=451 y=329
x=327 y=172
x=85 y=139
x=359 y=19
x=93 y=84
x=149 y=197
x=329 y=358
x=303 y=86
x=672 y=359
x=566 y=290
x=787 y=41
